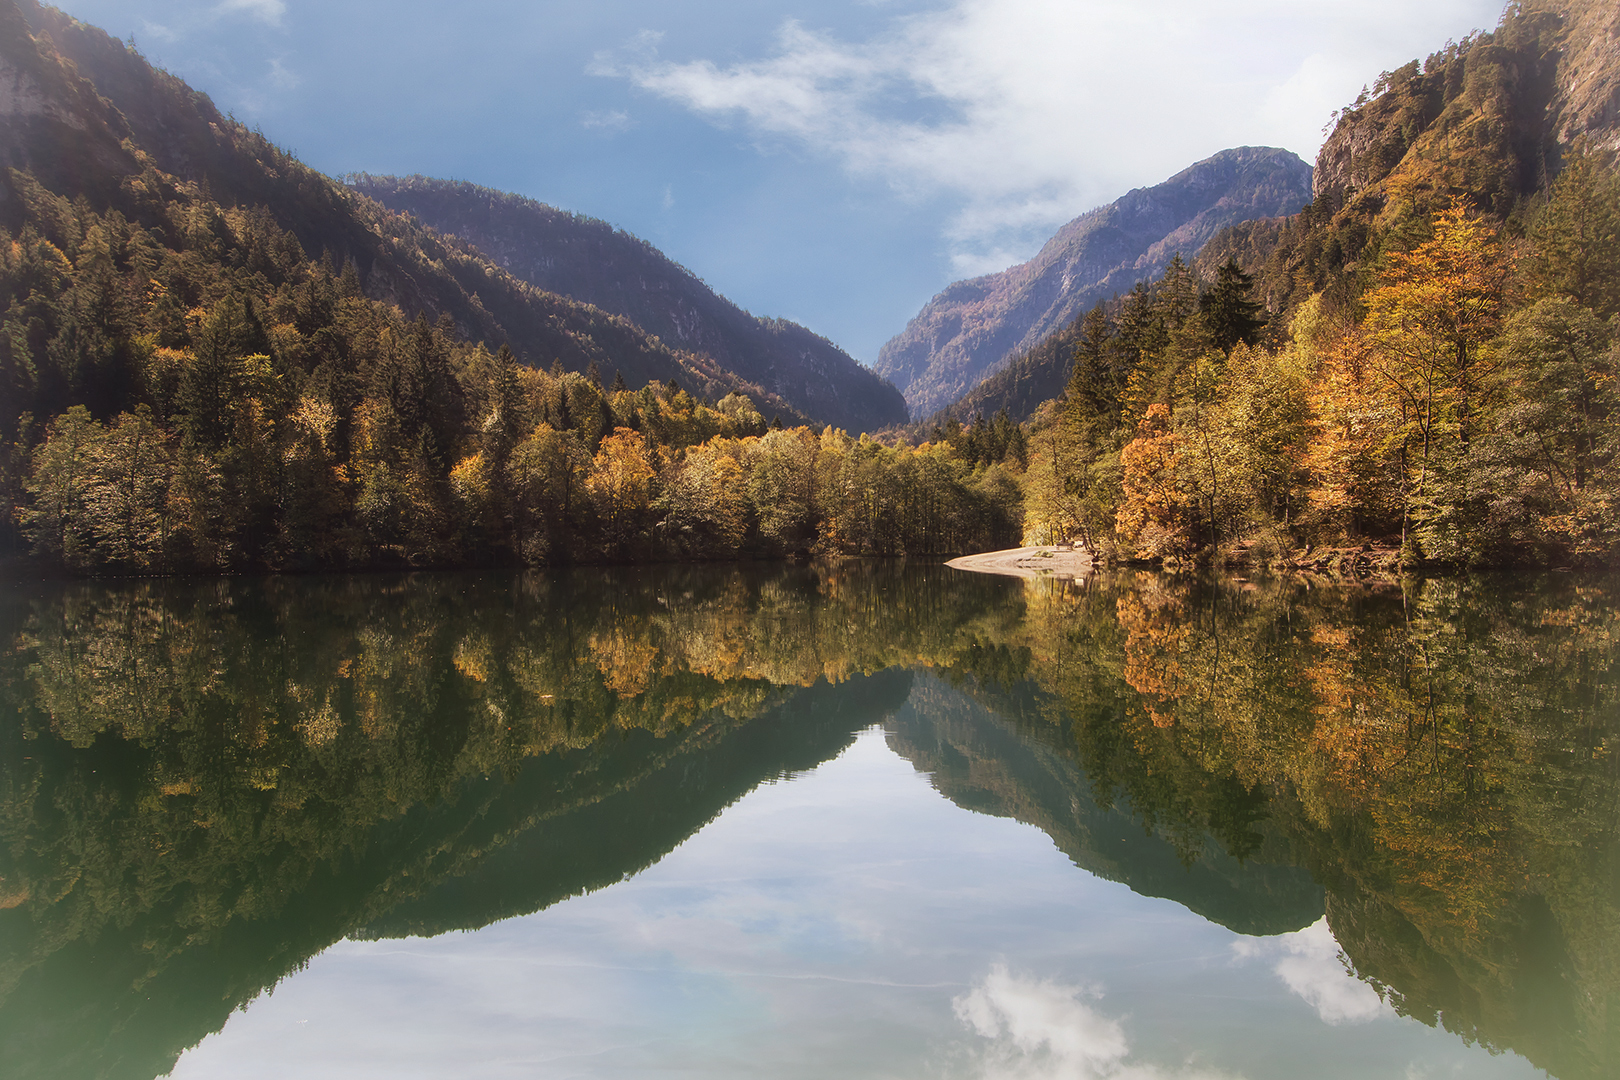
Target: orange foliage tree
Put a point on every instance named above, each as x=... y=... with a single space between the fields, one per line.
x=1152 y=519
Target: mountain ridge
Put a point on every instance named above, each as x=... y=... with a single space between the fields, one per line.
x=88 y=116
x=972 y=327
x=590 y=261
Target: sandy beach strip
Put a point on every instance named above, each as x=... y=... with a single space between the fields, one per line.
x=1027 y=562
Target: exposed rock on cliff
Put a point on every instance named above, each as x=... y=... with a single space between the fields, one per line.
x=973 y=327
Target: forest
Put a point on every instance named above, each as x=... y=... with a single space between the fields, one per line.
x=1422 y=362
x=1453 y=397
x=202 y=397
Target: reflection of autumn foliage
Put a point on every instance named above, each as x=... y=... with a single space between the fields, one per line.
x=1439 y=759
x=625 y=660
x=271 y=727
x=1156 y=630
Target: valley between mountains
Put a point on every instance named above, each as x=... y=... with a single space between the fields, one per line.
x=216 y=359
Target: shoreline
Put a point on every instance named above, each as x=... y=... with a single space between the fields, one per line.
x=1041 y=561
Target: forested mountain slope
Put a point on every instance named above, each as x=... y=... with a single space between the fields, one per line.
x=1490 y=118
x=1423 y=358
x=215 y=359
x=589 y=261
x=971 y=328
x=83 y=115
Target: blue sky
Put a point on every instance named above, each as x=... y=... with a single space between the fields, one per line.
x=836 y=162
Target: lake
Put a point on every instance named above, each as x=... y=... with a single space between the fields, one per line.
x=856 y=820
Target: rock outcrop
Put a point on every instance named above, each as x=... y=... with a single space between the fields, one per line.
x=973 y=327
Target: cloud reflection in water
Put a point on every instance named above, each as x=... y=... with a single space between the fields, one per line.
x=1044 y=1030
x=1314 y=968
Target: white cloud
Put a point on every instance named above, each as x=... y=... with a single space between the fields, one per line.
x=1043 y=1030
x=1028 y=112
x=1313 y=967
x=158 y=30
x=283 y=79
x=609 y=120
x=270 y=11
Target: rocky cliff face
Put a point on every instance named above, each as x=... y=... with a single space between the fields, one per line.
x=1490 y=116
x=1588 y=84
x=591 y=262
x=973 y=327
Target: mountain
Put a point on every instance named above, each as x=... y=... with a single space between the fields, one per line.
x=1040 y=373
x=1027 y=381
x=84 y=117
x=969 y=330
x=977 y=755
x=589 y=261
x=1491 y=118
x=1490 y=115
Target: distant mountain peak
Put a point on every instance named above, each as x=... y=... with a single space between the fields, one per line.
x=973 y=327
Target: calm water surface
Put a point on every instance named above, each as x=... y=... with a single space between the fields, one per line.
x=870 y=821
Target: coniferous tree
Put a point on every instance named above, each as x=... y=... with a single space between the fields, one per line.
x=1095 y=385
x=1228 y=312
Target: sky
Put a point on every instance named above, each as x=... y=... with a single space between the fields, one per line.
x=835 y=162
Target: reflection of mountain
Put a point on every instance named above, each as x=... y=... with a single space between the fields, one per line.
x=1440 y=758
x=982 y=763
x=565 y=824
x=204 y=784
x=594 y=844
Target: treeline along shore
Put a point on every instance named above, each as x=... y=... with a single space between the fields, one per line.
x=253 y=411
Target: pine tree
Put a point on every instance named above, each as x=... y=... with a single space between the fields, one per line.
x=1229 y=313
x=1095 y=385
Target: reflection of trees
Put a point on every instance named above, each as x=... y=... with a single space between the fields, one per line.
x=204 y=784
x=988 y=750
x=1439 y=759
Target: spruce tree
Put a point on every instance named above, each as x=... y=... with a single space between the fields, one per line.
x=1097 y=379
x=1230 y=314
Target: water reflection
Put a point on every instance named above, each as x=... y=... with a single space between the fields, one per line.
x=203 y=785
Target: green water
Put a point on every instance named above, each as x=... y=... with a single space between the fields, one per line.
x=867 y=820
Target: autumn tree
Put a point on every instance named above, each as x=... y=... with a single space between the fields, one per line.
x=1427 y=325
x=1152 y=518
x=620 y=484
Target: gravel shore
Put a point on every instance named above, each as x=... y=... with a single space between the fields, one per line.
x=1027 y=562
